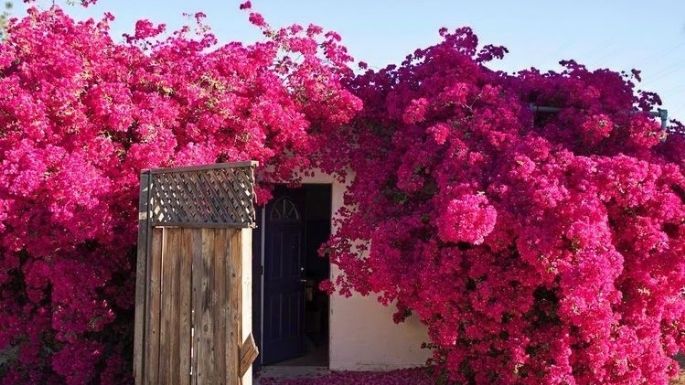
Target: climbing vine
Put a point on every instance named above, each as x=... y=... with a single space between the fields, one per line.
x=81 y=115
x=538 y=247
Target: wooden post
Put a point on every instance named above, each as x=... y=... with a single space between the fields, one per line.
x=141 y=278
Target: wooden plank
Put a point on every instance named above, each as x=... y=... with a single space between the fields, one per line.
x=166 y=307
x=203 y=302
x=174 y=262
x=196 y=262
x=219 y=309
x=234 y=331
x=185 y=310
x=151 y=369
x=248 y=354
x=141 y=280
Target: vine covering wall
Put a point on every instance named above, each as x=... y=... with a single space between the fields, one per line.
x=538 y=248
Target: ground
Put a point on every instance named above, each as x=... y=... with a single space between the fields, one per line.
x=418 y=376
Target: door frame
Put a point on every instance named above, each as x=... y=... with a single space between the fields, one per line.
x=259 y=259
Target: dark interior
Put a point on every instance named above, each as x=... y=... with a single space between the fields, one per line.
x=296 y=312
x=317 y=269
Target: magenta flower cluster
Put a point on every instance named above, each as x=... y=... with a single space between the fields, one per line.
x=81 y=115
x=538 y=247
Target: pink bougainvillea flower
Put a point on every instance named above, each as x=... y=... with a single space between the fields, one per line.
x=537 y=247
x=467 y=219
x=82 y=114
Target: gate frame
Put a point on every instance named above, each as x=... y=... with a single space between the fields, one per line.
x=245 y=221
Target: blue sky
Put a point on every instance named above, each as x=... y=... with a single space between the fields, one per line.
x=648 y=35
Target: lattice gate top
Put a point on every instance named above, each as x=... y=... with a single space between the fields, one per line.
x=220 y=195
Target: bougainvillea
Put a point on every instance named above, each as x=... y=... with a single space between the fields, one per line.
x=539 y=245
x=81 y=115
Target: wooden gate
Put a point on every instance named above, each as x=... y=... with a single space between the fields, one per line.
x=193 y=283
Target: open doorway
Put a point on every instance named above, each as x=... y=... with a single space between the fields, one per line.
x=290 y=316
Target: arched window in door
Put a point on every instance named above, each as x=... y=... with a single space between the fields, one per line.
x=284 y=210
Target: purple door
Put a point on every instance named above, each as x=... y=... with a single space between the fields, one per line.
x=283 y=334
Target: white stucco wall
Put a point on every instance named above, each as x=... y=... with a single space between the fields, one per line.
x=363 y=335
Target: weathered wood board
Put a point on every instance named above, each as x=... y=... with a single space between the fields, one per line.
x=192 y=321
